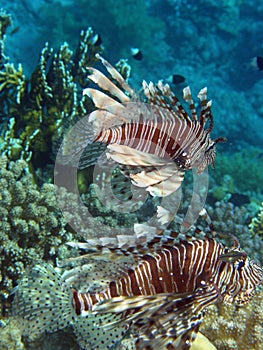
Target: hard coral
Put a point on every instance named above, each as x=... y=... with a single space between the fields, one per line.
x=52 y=96
x=31 y=226
x=239 y=328
x=256 y=225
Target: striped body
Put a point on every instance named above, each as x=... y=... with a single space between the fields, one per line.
x=159 y=299
x=183 y=268
x=179 y=140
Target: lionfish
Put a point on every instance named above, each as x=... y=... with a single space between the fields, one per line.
x=158 y=298
x=153 y=142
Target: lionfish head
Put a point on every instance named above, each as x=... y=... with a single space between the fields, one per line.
x=207 y=155
x=247 y=275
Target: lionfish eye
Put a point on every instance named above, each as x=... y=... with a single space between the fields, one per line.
x=241 y=264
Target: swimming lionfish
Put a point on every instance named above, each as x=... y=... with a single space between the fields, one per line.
x=159 y=297
x=154 y=142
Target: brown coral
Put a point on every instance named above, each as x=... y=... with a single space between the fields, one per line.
x=235 y=328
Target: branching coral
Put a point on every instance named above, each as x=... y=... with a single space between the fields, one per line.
x=256 y=225
x=52 y=96
x=31 y=225
x=229 y=220
x=240 y=328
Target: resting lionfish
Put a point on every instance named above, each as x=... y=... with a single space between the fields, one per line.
x=154 y=142
x=158 y=298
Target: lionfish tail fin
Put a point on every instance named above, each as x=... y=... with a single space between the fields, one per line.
x=42 y=302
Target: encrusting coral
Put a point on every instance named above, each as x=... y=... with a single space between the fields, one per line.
x=235 y=328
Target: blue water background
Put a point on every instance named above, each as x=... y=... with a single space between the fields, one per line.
x=210 y=43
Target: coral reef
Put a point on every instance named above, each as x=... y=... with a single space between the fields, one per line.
x=238 y=328
x=31 y=228
x=229 y=220
x=256 y=225
x=10 y=337
x=245 y=169
x=40 y=107
x=5 y=22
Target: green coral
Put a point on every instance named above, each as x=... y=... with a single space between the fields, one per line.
x=40 y=106
x=245 y=169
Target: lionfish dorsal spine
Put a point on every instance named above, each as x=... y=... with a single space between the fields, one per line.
x=101 y=100
x=116 y=75
x=187 y=95
x=107 y=85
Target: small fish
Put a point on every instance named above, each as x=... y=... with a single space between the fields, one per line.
x=97 y=40
x=14 y=30
x=136 y=53
x=159 y=297
x=257 y=62
x=153 y=142
x=239 y=199
x=178 y=79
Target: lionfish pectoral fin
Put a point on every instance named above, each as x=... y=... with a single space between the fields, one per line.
x=104 y=83
x=167 y=186
x=91 y=334
x=151 y=341
x=130 y=156
x=91 y=154
x=146 y=178
x=161 y=319
x=159 y=176
x=145 y=305
x=94 y=271
x=75 y=141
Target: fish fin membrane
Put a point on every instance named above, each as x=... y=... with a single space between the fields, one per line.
x=91 y=334
x=42 y=302
x=93 y=272
x=157 y=175
x=162 y=319
x=74 y=142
